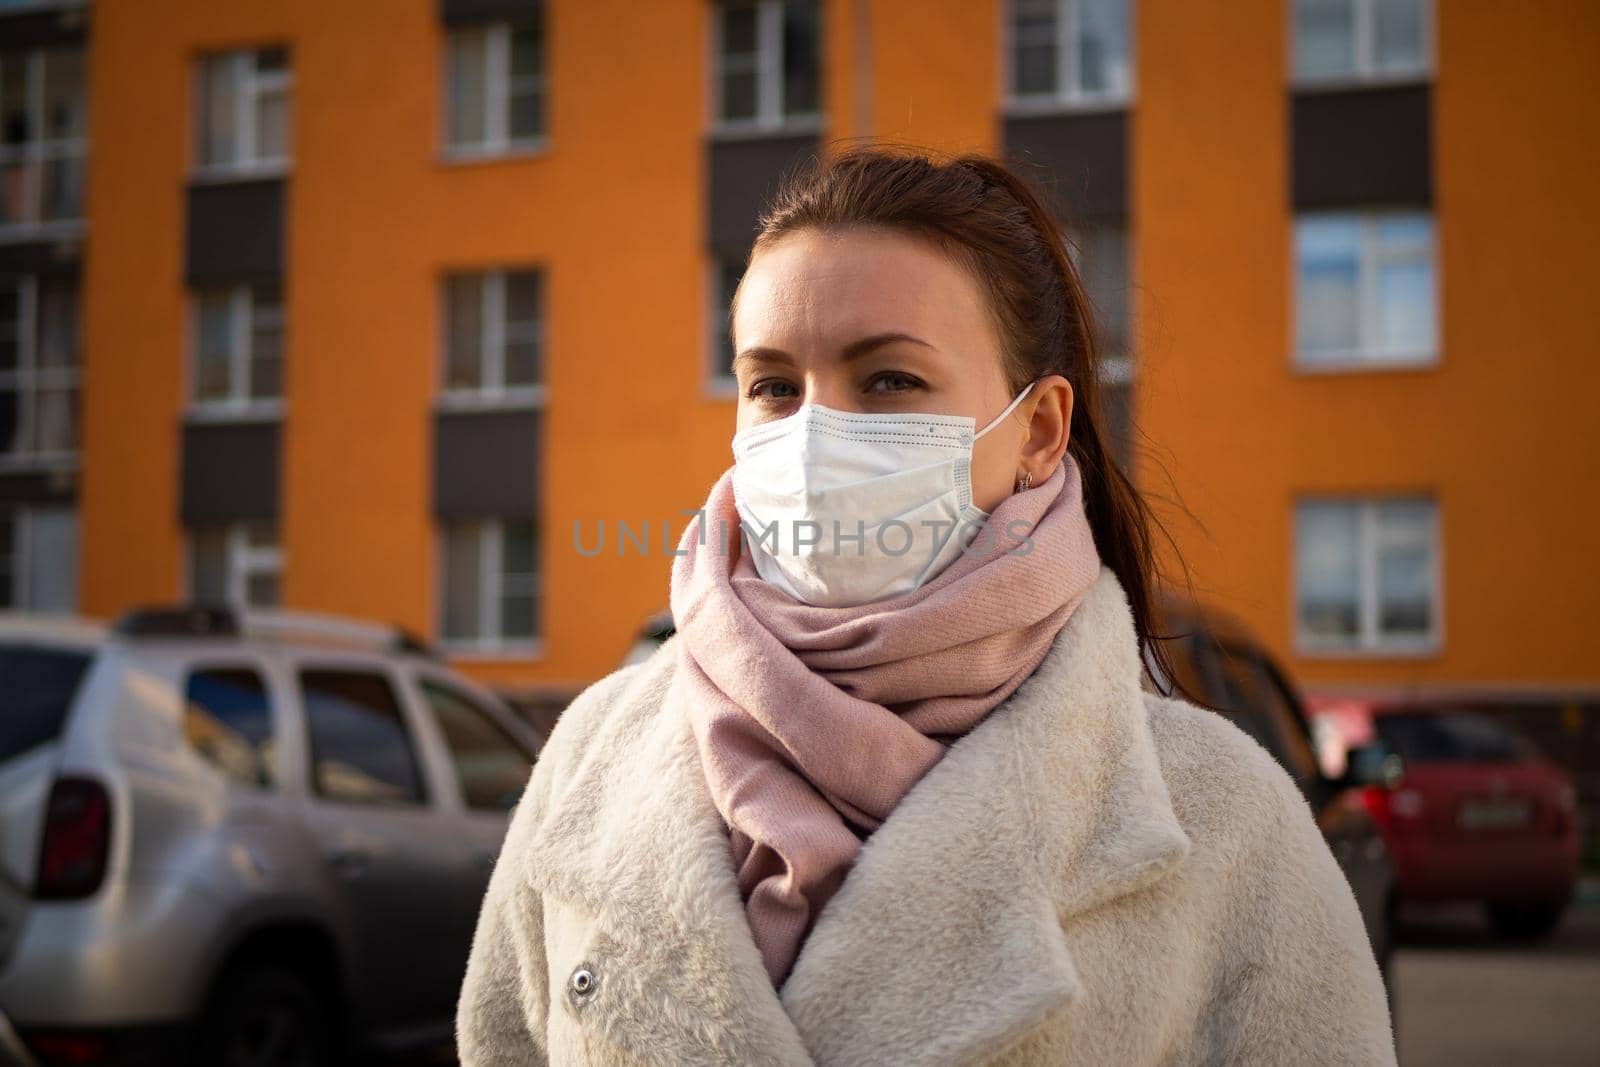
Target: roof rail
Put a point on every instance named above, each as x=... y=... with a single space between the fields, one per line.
x=284 y=625
x=210 y=620
x=178 y=620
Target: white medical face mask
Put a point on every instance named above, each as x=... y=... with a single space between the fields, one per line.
x=840 y=508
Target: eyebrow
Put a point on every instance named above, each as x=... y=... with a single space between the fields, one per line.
x=853 y=350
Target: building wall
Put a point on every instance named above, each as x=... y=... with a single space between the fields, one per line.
x=375 y=217
x=1497 y=429
x=616 y=213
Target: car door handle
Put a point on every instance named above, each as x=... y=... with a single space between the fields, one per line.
x=349 y=863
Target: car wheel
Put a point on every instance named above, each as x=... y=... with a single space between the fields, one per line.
x=264 y=1016
x=1525 y=920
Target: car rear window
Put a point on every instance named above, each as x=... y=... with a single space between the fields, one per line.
x=1452 y=737
x=36 y=690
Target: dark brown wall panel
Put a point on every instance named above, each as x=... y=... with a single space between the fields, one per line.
x=486 y=463
x=43 y=29
x=1085 y=156
x=452 y=11
x=1355 y=147
x=230 y=471
x=40 y=488
x=744 y=174
x=235 y=231
x=41 y=257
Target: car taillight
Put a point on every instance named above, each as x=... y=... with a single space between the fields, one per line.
x=77 y=838
x=1566 y=809
x=1375 y=798
x=67 y=1048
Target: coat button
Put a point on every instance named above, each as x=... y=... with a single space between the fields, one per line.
x=582 y=982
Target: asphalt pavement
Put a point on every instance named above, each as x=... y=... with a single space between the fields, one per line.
x=1464 y=1000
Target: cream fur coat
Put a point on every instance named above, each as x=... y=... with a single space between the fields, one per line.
x=1095 y=875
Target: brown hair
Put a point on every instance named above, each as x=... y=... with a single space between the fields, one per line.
x=995 y=222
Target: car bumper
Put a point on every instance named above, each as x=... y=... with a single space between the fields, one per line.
x=100 y=965
x=1463 y=868
x=139 y=1046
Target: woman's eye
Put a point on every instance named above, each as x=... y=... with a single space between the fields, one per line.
x=893 y=382
x=772 y=389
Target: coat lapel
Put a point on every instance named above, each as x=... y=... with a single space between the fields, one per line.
x=945 y=942
x=633 y=843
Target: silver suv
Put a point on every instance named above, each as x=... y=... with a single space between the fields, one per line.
x=239 y=837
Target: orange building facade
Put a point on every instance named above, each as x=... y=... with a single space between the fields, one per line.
x=394 y=308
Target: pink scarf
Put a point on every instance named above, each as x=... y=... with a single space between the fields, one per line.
x=812 y=722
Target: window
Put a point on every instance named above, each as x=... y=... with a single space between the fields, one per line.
x=495 y=86
x=244 y=112
x=238 y=350
x=238 y=564
x=39 y=683
x=227 y=719
x=1367 y=574
x=1100 y=252
x=491 y=583
x=360 y=749
x=726 y=273
x=39 y=559
x=39 y=354
x=494 y=337
x=492 y=768
x=769 y=66
x=1453 y=736
x=44 y=137
x=1344 y=41
x=1071 y=53
x=1365 y=290
x=1256 y=689
x=1188 y=658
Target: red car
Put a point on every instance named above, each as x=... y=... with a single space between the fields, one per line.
x=1477 y=813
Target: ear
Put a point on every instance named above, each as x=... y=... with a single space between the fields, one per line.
x=1049 y=427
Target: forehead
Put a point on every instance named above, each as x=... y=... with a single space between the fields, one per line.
x=827 y=289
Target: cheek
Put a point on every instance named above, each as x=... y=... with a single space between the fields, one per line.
x=994 y=472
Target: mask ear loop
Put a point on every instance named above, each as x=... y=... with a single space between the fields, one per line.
x=998 y=419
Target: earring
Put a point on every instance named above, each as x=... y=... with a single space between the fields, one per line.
x=1025 y=481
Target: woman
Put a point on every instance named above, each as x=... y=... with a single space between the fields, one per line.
x=894 y=793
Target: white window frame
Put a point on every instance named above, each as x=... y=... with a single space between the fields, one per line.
x=490 y=642
x=29 y=378
x=1369 y=642
x=250 y=85
x=1366 y=72
x=497 y=83
x=1367 y=355
x=238 y=405
x=494 y=392
x=768 y=59
x=21 y=554
x=34 y=154
x=245 y=561
x=1069 y=96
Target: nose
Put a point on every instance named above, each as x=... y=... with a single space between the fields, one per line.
x=830 y=389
